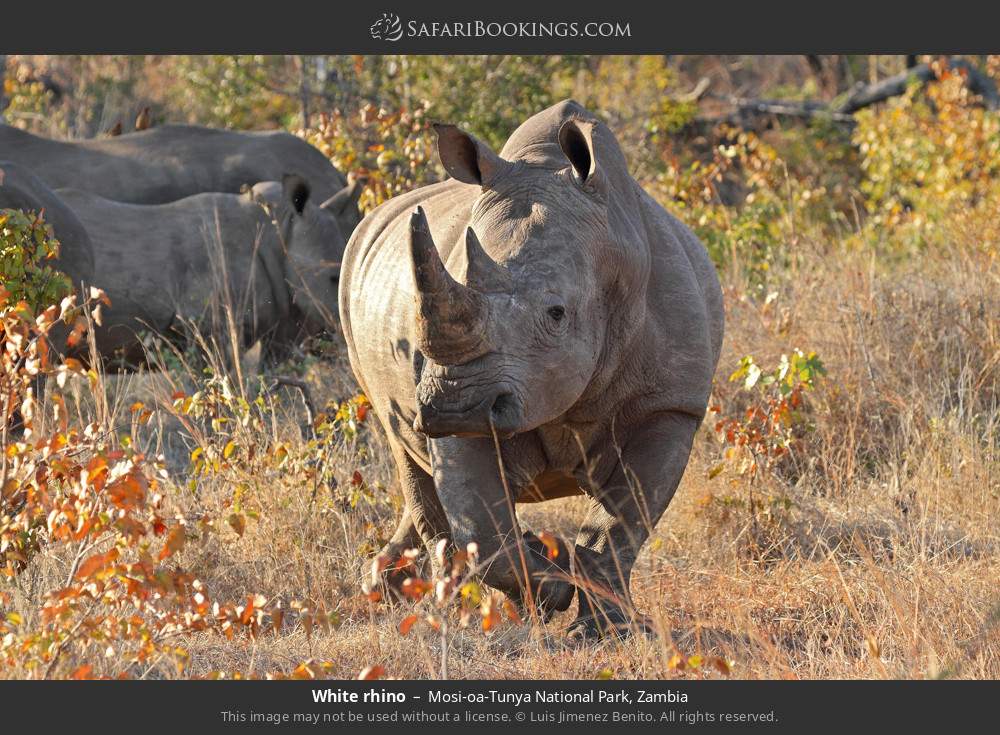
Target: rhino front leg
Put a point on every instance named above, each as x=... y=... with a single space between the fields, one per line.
x=624 y=513
x=422 y=521
x=472 y=493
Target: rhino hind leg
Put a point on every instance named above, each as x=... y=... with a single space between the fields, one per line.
x=620 y=521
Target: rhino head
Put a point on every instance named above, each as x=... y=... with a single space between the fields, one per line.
x=552 y=289
x=313 y=244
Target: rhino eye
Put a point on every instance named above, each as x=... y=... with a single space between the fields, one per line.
x=556 y=313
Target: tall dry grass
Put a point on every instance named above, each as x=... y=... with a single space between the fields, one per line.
x=883 y=560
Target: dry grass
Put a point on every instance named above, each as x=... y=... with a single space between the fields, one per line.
x=885 y=564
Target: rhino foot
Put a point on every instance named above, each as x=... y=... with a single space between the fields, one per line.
x=609 y=623
x=551 y=589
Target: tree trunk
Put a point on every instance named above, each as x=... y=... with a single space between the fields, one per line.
x=305 y=91
x=3 y=78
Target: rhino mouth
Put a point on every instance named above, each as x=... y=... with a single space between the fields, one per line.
x=499 y=411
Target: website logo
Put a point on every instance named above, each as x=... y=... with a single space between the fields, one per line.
x=387 y=28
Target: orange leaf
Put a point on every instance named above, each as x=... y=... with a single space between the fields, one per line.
x=491 y=616
x=406 y=624
x=415 y=587
x=95 y=563
x=551 y=544
x=371 y=672
x=724 y=667
x=511 y=609
x=174 y=543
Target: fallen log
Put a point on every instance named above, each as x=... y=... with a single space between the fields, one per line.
x=865 y=95
x=754 y=113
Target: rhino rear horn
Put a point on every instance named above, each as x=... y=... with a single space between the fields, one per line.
x=484 y=273
x=452 y=318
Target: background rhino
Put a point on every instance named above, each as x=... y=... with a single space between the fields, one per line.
x=20 y=189
x=163 y=263
x=170 y=162
x=543 y=301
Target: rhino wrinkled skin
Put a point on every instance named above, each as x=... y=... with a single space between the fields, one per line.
x=170 y=162
x=167 y=263
x=539 y=299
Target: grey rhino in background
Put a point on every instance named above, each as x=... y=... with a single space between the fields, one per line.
x=161 y=264
x=543 y=301
x=20 y=189
x=170 y=162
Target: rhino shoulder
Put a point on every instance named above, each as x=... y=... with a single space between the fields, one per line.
x=685 y=302
x=386 y=214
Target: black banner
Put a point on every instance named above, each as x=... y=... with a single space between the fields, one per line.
x=490 y=706
x=513 y=26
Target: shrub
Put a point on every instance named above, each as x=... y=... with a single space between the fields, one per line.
x=930 y=155
x=394 y=150
x=26 y=243
x=762 y=429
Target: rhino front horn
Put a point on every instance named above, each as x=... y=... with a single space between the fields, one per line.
x=451 y=318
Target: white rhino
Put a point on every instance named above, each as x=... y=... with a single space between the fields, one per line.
x=164 y=263
x=171 y=162
x=540 y=302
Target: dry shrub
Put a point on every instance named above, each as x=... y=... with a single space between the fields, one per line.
x=394 y=150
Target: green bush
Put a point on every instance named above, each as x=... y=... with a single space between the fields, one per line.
x=26 y=242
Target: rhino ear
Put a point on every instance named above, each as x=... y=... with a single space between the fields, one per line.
x=346 y=197
x=296 y=191
x=576 y=138
x=467 y=158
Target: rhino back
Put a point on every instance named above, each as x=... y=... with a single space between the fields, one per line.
x=170 y=162
x=226 y=160
x=90 y=165
x=158 y=262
